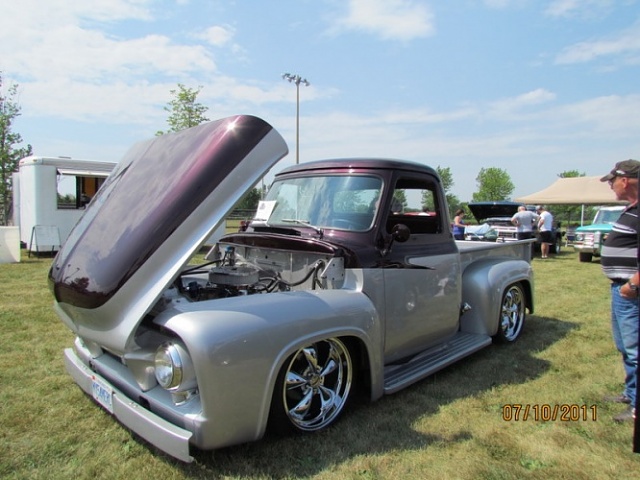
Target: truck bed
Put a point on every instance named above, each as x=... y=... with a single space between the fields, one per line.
x=473 y=251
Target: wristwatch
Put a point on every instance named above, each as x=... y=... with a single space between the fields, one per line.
x=634 y=288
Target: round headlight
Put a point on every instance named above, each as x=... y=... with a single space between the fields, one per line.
x=169 y=366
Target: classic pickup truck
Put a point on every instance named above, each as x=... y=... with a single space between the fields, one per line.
x=589 y=239
x=335 y=288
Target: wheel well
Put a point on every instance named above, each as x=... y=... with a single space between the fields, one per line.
x=528 y=291
x=361 y=366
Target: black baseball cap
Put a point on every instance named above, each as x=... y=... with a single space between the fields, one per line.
x=626 y=168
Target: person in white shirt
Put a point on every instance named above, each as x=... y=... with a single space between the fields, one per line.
x=545 y=226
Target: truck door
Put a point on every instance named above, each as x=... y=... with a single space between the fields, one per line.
x=421 y=275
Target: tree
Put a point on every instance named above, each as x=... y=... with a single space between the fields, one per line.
x=493 y=184
x=9 y=154
x=399 y=201
x=249 y=202
x=447 y=182
x=184 y=111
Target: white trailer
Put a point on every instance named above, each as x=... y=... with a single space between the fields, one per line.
x=50 y=195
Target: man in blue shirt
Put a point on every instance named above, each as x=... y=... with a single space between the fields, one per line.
x=619 y=262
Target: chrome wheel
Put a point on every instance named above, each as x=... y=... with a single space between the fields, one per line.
x=315 y=385
x=512 y=314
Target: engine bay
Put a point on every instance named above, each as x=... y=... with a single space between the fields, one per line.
x=232 y=271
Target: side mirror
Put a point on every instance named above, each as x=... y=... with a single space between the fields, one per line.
x=400 y=233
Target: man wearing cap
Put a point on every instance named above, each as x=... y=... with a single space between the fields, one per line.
x=619 y=260
x=545 y=227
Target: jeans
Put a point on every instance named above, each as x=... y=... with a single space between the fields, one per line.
x=624 y=325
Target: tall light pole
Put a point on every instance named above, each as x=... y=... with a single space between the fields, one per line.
x=297 y=79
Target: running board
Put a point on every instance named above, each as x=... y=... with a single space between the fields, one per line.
x=397 y=377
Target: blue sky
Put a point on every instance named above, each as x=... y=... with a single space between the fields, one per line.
x=535 y=87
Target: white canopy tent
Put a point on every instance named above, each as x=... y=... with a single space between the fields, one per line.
x=574 y=191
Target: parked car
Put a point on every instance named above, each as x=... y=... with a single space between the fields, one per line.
x=498 y=215
x=588 y=239
x=328 y=292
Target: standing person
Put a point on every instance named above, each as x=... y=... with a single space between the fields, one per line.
x=545 y=227
x=458 y=225
x=524 y=220
x=619 y=262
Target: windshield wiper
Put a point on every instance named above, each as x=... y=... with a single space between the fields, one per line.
x=318 y=230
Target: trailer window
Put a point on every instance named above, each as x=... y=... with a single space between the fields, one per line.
x=76 y=191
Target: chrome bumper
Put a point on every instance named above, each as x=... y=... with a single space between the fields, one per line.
x=166 y=436
x=585 y=248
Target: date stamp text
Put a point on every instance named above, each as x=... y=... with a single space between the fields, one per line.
x=566 y=412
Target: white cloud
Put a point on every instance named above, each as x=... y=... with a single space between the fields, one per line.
x=577 y=8
x=67 y=39
x=626 y=43
x=508 y=107
x=561 y=8
x=71 y=52
x=88 y=102
x=218 y=35
x=610 y=116
x=535 y=97
x=498 y=3
x=389 y=19
x=35 y=14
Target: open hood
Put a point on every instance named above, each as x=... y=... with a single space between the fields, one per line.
x=159 y=205
x=498 y=209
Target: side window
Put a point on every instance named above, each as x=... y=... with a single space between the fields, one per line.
x=416 y=204
x=76 y=191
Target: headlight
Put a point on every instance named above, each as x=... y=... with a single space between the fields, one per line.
x=173 y=367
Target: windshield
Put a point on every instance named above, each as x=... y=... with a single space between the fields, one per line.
x=340 y=202
x=607 y=216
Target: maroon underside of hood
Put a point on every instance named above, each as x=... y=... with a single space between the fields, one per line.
x=156 y=186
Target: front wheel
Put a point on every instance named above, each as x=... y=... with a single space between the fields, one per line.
x=313 y=387
x=512 y=314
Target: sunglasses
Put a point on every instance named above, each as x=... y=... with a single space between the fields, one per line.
x=619 y=173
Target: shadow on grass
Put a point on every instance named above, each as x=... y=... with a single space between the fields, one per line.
x=388 y=424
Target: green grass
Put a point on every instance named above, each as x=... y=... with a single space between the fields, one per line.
x=447 y=426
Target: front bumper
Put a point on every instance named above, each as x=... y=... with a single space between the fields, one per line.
x=586 y=249
x=167 y=437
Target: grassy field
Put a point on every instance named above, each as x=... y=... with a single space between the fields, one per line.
x=450 y=425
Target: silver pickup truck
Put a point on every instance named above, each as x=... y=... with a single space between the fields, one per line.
x=334 y=289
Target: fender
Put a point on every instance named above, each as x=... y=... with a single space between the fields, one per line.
x=483 y=284
x=238 y=346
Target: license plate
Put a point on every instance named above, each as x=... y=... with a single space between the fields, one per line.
x=102 y=393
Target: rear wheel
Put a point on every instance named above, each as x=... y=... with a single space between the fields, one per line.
x=312 y=388
x=512 y=314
